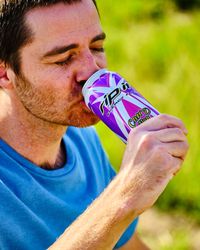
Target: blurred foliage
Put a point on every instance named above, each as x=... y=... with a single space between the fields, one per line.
x=156 y=48
x=187 y=4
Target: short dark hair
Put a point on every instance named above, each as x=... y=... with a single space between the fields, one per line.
x=14 y=34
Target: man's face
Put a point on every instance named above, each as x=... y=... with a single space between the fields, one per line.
x=67 y=48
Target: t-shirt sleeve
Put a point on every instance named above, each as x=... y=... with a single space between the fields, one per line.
x=127 y=234
x=110 y=173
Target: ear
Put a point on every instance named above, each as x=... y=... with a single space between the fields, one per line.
x=5 y=81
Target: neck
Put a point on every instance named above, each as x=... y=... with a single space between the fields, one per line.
x=37 y=140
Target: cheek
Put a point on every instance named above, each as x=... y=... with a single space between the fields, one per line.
x=43 y=74
x=53 y=77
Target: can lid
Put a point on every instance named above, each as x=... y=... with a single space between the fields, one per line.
x=92 y=79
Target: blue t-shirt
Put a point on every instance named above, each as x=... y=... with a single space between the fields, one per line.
x=37 y=205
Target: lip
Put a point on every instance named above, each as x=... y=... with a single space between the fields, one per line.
x=80 y=101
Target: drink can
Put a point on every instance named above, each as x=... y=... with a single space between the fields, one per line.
x=116 y=103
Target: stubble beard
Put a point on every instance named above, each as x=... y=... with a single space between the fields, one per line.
x=42 y=105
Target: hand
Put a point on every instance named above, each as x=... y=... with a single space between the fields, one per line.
x=154 y=154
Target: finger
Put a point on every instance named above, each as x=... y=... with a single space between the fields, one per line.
x=177 y=149
x=161 y=122
x=176 y=165
x=169 y=135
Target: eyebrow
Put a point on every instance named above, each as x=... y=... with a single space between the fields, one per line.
x=62 y=49
x=101 y=36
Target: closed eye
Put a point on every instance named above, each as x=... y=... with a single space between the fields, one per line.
x=98 y=49
x=65 y=62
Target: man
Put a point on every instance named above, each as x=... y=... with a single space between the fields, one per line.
x=55 y=180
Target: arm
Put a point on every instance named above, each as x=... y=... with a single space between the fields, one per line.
x=154 y=153
x=100 y=226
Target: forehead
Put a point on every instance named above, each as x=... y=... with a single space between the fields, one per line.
x=63 y=21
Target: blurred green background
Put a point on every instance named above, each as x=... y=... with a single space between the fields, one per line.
x=154 y=44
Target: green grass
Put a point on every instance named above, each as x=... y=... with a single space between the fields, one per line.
x=157 y=49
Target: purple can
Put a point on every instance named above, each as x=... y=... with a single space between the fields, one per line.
x=116 y=103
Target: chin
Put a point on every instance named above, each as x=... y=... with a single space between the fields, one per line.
x=84 y=124
x=80 y=119
x=84 y=121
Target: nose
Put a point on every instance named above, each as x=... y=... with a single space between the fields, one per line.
x=88 y=66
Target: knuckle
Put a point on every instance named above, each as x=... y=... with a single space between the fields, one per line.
x=170 y=119
x=147 y=140
x=179 y=132
x=163 y=117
